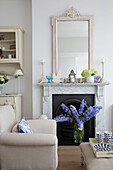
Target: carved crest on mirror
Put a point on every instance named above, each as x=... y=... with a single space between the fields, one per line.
x=72 y=12
x=72 y=42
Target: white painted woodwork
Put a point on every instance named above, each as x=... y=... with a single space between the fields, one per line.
x=75 y=88
x=15 y=101
x=9 y=65
x=73 y=15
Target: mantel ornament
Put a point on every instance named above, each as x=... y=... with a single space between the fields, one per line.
x=72 y=12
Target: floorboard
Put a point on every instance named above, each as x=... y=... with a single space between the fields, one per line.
x=69 y=158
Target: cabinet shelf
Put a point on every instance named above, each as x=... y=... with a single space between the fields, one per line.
x=7 y=41
x=7 y=60
x=9 y=50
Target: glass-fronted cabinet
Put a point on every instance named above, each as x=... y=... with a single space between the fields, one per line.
x=7 y=45
x=11 y=49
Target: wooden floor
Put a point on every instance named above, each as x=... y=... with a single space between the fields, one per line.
x=69 y=158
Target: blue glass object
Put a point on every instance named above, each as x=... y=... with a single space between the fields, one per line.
x=49 y=79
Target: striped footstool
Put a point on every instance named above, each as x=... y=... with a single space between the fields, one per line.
x=93 y=163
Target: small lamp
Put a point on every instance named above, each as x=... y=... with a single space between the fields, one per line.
x=17 y=74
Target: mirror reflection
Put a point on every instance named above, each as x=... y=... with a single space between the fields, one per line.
x=71 y=47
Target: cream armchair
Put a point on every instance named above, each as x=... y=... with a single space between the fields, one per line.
x=37 y=151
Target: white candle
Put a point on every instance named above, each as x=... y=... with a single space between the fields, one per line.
x=103 y=60
x=43 y=61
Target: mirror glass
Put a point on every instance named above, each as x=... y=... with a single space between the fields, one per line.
x=71 y=47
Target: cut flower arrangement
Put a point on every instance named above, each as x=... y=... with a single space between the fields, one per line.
x=3 y=79
x=89 y=74
x=70 y=114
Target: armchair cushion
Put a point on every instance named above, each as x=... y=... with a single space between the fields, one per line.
x=47 y=126
x=23 y=126
x=40 y=126
x=7 y=118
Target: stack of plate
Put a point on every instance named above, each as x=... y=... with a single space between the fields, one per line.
x=100 y=137
x=108 y=136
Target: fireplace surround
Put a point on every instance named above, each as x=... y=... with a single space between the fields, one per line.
x=95 y=89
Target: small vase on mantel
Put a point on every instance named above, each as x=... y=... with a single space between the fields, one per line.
x=89 y=75
x=90 y=79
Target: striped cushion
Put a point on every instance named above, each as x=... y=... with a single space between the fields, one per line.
x=23 y=126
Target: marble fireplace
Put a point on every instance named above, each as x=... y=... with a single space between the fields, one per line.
x=95 y=89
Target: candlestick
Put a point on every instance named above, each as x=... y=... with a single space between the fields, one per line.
x=43 y=78
x=102 y=62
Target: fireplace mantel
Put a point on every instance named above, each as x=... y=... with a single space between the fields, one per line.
x=73 y=84
x=75 y=88
x=86 y=87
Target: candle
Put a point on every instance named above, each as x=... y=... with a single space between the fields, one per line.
x=103 y=60
x=43 y=61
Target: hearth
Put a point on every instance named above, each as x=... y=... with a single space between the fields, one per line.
x=65 y=130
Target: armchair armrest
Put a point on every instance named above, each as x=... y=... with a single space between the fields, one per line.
x=20 y=139
x=43 y=126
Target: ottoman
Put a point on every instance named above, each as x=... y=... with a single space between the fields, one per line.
x=93 y=163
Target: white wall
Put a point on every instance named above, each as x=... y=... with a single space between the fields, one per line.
x=18 y=12
x=102 y=42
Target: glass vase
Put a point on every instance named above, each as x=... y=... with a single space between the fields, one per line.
x=78 y=133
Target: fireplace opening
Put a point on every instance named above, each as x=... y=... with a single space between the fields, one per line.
x=65 y=130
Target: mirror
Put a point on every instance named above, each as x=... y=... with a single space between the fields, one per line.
x=72 y=43
x=72 y=46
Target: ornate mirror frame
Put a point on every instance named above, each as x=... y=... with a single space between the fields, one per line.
x=73 y=15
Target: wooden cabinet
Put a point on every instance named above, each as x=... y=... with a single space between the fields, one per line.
x=11 y=49
x=15 y=101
